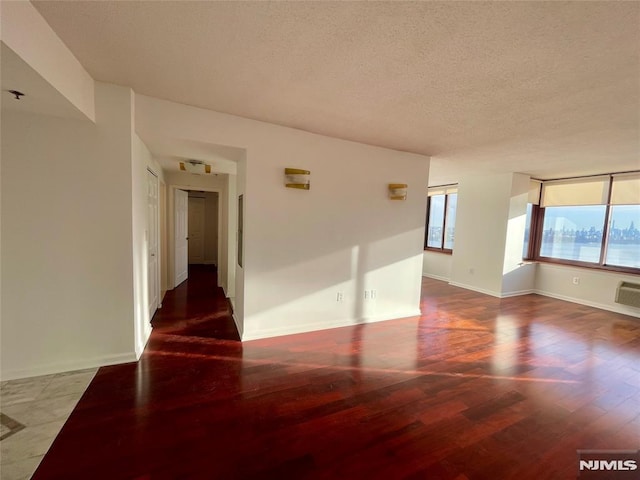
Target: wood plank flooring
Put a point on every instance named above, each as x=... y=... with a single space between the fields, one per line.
x=475 y=388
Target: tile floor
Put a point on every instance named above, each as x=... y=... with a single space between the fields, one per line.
x=32 y=412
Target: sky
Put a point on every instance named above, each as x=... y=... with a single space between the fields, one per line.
x=586 y=217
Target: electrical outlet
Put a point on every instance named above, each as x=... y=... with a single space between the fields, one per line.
x=366 y=294
x=576 y=280
x=339 y=297
x=374 y=294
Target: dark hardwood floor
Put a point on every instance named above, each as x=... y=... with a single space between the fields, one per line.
x=197 y=308
x=475 y=388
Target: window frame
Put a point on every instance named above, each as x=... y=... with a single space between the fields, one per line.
x=441 y=249
x=536 y=232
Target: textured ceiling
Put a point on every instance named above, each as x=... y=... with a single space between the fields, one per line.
x=546 y=88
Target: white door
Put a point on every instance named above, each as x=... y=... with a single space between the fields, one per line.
x=196 y=230
x=211 y=229
x=152 y=244
x=181 y=201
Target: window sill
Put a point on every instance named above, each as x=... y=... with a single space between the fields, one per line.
x=589 y=266
x=528 y=262
x=439 y=250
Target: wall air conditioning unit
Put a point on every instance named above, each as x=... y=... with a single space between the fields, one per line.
x=628 y=294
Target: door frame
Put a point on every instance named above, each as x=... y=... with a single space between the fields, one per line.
x=162 y=224
x=179 y=277
x=171 y=212
x=192 y=201
x=159 y=259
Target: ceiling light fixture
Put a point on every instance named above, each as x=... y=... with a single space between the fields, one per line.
x=197 y=167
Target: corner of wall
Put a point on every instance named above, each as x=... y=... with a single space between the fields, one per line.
x=46 y=54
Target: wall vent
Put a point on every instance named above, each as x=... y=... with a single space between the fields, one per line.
x=628 y=294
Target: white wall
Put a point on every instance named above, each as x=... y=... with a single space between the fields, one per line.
x=226 y=275
x=238 y=302
x=596 y=288
x=436 y=265
x=343 y=235
x=518 y=277
x=1 y=129
x=231 y=216
x=211 y=228
x=481 y=230
x=302 y=247
x=196 y=182
x=32 y=39
x=490 y=225
x=67 y=283
x=141 y=161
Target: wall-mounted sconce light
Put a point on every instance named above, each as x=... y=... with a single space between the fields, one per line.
x=195 y=166
x=398 y=191
x=296 y=178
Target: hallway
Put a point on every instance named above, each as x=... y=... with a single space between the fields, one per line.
x=196 y=308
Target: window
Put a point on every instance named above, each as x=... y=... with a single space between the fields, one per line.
x=623 y=247
x=435 y=221
x=441 y=218
x=527 y=231
x=531 y=219
x=573 y=233
x=591 y=222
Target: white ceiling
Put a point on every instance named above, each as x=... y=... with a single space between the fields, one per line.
x=546 y=88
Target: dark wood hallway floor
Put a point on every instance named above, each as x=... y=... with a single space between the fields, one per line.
x=196 y=308
x=475 y=388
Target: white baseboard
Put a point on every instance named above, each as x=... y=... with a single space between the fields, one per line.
x=435 y=277
x=476 y=289
x=226 y=290
x=141 y=345
x=69 y=366
x=309 y=327
x=313 y=327
x=238 y=326
x=491 y=293
x=601 y=306
x=415 y=312
x=517 y=293
x=580 y=301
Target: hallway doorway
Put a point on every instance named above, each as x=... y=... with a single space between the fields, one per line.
x=203 y=228
x=197 y=308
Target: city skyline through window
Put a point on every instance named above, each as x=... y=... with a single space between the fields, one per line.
x=575 y=233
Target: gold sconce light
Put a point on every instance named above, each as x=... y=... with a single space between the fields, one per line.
x=296 y=178
x=398 y=191
x=195 y=166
